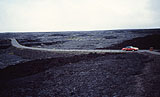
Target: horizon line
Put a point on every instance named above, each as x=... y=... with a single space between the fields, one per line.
x=154 y=28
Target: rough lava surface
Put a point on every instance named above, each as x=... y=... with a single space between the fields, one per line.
x=31 y=73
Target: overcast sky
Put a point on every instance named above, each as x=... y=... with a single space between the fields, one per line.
x=68 y=15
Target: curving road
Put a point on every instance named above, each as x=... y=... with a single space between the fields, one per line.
x=17 y=45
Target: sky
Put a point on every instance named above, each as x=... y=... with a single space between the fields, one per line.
x=75 y=15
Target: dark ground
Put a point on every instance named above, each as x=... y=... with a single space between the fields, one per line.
x=140 y=42
x=107 y=75
x=44 y=74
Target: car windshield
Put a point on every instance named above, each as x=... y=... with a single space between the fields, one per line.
x=129 y=47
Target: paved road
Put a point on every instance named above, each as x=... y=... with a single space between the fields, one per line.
x=151 y=52
x=17 y=45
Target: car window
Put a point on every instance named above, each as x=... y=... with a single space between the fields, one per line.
x=129 y=47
